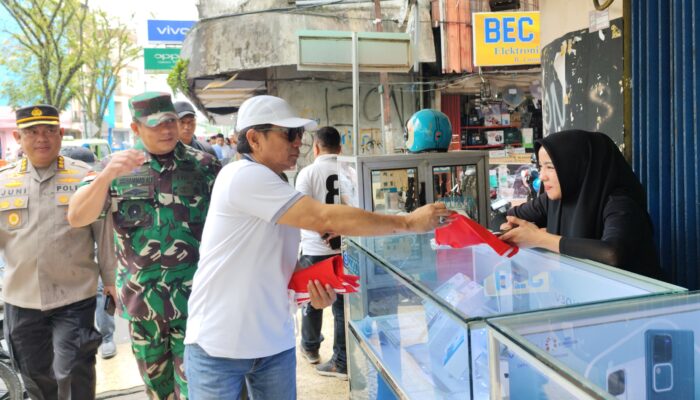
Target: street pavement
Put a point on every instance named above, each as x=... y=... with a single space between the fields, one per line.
x=118 y=377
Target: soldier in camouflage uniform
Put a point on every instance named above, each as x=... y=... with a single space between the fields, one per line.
x=159 y=202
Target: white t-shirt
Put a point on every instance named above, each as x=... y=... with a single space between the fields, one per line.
x=239 y=305
x=320 y=181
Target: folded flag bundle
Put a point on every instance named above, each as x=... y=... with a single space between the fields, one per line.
x=327 y=272
x=464 y=232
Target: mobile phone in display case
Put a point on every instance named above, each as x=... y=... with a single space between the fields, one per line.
x=670 y=364
x=625 y=381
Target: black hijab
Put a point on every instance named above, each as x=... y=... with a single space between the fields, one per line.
x=590 y=169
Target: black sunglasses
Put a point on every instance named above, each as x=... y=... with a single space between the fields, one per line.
x=292 y=133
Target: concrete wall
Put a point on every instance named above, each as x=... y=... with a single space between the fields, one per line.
x=266 y=39
x=558 y=17
x=330 y=103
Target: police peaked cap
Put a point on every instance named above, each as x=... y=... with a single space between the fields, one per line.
x=36 y=115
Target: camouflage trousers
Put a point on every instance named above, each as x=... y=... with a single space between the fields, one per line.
x=159 y=349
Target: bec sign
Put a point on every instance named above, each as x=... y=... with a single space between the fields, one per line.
x=507 y=38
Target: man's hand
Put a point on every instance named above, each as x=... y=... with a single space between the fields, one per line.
x=320 y=296
x=112 y=291
x=429 y=217
x=123 y=163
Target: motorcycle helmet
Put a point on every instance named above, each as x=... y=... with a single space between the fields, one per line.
x=428 y=130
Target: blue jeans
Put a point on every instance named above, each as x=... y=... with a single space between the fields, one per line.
x=104 y=321
x=312 y=321
x=214 y=378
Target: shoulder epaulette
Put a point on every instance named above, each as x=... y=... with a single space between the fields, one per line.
x=9 y=166
x=76 y=163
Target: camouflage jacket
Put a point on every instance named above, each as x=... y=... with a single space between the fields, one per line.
x=159 y=212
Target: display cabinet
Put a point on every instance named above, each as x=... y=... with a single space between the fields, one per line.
x=418 y=327
x=634 y=349
x=401 y=183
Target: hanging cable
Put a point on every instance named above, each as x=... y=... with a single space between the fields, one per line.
x=605 y=5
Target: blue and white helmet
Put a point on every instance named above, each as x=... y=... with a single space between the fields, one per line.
x=428 y=130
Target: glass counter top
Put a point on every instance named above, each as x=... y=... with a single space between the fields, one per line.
x=423 y=313
x=647 y=348
x=474 y=282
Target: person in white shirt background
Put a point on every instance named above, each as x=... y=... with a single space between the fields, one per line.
x=240 y=326
x=320 y=181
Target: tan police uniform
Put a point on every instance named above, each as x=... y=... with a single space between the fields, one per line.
x=49 y=263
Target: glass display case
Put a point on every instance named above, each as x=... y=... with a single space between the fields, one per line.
x=401 y=183
x=417 y=328
x=633 y=349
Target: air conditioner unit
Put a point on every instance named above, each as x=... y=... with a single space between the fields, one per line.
x=502 y=5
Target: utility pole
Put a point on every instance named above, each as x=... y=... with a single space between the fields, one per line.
x=387 y=131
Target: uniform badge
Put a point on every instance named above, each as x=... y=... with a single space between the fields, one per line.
x=13 y=219
x=4 y=204
x=63 y=199
x=18 y=202
x=13 y=184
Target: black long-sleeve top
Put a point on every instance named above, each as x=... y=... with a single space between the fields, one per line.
x=626 y=241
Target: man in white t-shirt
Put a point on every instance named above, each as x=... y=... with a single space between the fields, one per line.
x=240 y=325
x=320 y=181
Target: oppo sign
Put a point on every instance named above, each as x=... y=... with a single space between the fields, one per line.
x=166 y=31
x=160 y=60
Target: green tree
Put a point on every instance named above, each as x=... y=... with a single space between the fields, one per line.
x=47 y=51
x=109 y=49
x=177 y=78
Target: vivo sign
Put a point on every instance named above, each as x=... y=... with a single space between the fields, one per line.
x=168 y=31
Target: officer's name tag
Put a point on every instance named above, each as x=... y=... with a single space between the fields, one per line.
x=19 y=191
x=134 y=186
x=188 y=184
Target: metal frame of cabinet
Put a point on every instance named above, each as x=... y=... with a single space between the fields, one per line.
x=423 y=163
x=412 y=286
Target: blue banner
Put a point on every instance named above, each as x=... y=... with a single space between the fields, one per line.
x=168 y=31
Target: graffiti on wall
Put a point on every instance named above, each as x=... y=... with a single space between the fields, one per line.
x=583 y=82
x=334 y=107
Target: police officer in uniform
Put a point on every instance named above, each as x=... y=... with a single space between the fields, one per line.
x=158 y=201
x=51 y=274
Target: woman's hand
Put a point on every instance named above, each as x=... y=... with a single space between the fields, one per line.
x=525 y=234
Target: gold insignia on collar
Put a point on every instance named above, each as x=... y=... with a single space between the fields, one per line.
x=13 y=219
x=36 y=112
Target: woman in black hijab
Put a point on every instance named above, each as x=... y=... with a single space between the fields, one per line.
x=591 y=204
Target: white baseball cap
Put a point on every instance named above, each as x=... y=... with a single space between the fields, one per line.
x=261 y=110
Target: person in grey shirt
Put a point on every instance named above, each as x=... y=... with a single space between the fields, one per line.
x=187 y=123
